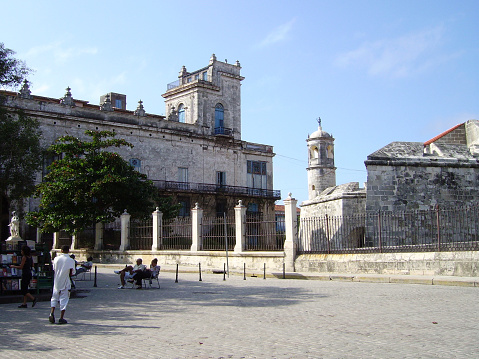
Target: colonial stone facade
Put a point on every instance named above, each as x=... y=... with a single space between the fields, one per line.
x=413 y=175
x=194 y=154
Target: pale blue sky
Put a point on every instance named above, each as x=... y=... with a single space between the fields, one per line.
x=375 y=71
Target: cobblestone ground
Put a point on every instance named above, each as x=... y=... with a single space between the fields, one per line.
x=252 y=318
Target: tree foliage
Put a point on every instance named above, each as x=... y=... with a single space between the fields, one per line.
x=20 y=154
x=12 y=70
x=89 y=184
x=20 y=149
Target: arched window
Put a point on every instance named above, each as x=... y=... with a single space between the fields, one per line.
x=314 y=152
x=219 y=117
x=181 y=113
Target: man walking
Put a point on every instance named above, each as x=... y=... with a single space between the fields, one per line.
x=64 y=268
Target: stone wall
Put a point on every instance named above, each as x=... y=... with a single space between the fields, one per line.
x=418 y=187
x=465 y=264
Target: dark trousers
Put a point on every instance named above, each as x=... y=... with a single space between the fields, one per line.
x=140 y=275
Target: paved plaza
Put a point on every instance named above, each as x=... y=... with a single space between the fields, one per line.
x=252 y=318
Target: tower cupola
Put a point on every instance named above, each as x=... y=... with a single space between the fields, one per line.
x=321 y=170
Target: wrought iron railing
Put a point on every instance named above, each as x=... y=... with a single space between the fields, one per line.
x=177 y=234
x=172 y=85
x=452 y=229
x=263 y=233
x=141 y=234
x=215 y=189
x=216 y=232
x=223 y=131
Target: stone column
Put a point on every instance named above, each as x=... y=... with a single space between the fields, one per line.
x=125 y=231
x=157 y=230
x=240 y=227
x=197 y=238
x=99 y=236
x=56 y=240
x=291 y=229
x=74 y=244
x=39 y=236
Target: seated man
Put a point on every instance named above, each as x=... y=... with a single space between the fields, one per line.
x=84 y=266
x=147 y=273
x=128 y=272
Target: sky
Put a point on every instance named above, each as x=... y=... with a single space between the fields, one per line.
x=375 y=72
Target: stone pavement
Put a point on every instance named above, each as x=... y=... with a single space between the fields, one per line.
x=252 y=318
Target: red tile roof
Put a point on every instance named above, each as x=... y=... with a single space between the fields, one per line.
x=441 y=135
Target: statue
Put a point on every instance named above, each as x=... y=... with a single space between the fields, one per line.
x=14 y=227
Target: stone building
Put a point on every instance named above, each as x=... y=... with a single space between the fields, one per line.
x=195 y=153
x=443 y=171
x=402 y=176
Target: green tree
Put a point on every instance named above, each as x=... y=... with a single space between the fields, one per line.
x=89 y=184
x=20 y=150
x=12 y=70
x=20 y=154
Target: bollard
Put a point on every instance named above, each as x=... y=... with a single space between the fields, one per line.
x=284 y=274
x=199 y=267
x=264 y=271
x=224 y=271
x=244 y=271
x=94 y=283
x=176 y=281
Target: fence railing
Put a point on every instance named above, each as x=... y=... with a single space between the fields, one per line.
x=112 y=235
x=177 y=234
x=216 y=188
x=217 y=231
x=264 y=233
x=141 y=234
x=451 y=229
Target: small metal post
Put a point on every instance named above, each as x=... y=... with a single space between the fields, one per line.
x=438 y=229
x=264 y=271
x=244 y=271
x=176 y=281
x=327 y=234
x=94 y=283
x=224 y=271
x=284 y=274
x=199 y=266
x=380 y=234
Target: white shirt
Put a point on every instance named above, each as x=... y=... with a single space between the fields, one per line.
x=62 y=266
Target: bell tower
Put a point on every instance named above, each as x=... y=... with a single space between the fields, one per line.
x=321 y=170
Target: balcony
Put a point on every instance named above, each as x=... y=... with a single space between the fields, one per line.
x=172 y=85
x=223 y=131
x=190 y=187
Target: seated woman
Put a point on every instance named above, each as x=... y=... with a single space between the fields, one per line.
x=147 y=273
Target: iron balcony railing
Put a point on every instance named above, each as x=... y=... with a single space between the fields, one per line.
x=216 y=189
x=223 y=131
x=172 y=85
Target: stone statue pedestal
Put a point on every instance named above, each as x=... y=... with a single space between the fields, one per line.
x=14 y=238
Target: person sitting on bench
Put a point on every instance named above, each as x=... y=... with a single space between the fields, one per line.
x=128 y=272
x=84 y=266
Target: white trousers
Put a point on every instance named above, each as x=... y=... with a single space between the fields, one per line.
x=62 y=296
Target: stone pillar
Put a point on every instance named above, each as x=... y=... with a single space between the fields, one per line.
x=291 y=228
x=56 y=240
x=197 y=238
x=157 y=230
x=99 y=236
x=240 y=227
x=74 y=244
x=39 y=236
x=125 y=231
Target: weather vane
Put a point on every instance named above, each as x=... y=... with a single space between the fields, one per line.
x=319 y=121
